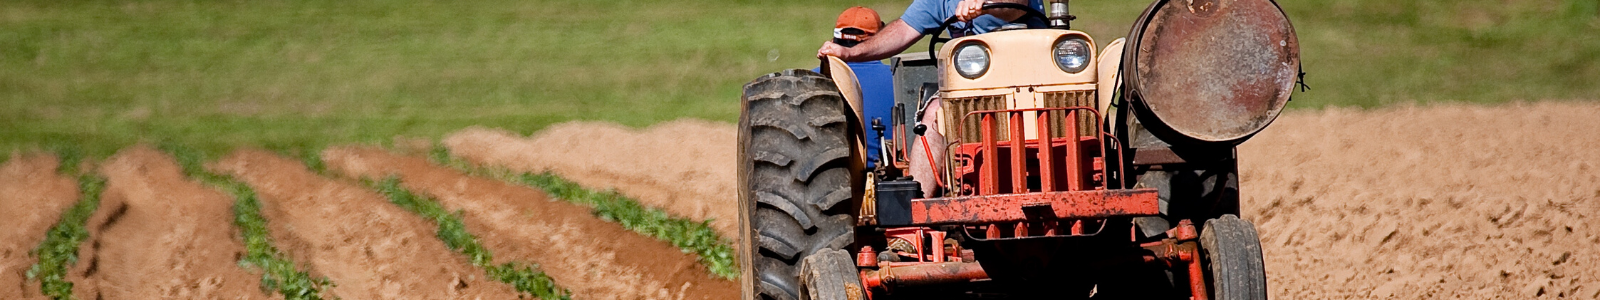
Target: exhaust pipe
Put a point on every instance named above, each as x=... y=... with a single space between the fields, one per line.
x=888 y=277
x=1060 y=18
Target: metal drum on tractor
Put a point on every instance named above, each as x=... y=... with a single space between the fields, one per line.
x=1065 y=172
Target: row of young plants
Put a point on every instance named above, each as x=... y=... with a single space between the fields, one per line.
x=524 y=278
x=713 y=251
x=58 y=252
x=278 y=272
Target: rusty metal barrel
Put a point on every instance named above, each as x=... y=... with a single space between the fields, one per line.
x=1210 y=71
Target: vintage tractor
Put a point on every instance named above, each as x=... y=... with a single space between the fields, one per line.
x=1064 y=175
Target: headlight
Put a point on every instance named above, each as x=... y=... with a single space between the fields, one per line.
x=972 y=60
x=1072 y=54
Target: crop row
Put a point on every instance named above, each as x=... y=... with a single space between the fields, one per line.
x=57 y=253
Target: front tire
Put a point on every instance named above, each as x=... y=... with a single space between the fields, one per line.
x=795 y=151
x=1232 y=250
x=830 y=275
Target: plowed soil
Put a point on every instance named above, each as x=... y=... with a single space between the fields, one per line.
x=157 y=235
x=1429 y=202
x=593 y=258
x=684 y=167
x=32 y=198
x=368 y=247
x=1447 y=201
x=1407 y=202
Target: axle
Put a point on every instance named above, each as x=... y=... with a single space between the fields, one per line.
x=1179 y=251
x=888 y=277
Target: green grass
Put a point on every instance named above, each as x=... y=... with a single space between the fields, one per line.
x=59 y=250
x=525 y=278
x=698 y=238
x=278 y=272
x=296 y=74
x=304 y=74
x=1371 y=53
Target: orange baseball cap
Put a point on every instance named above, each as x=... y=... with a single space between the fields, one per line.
x=862 y=18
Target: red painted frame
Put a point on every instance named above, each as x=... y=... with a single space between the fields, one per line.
x=1080 y=201
x=1092 y=204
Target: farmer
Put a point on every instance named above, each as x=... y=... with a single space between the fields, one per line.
x=923 y=17
x=854 y=26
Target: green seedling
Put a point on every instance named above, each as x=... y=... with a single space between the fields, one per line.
x=525 y=278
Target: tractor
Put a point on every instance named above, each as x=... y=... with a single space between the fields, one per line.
x=1063 y=174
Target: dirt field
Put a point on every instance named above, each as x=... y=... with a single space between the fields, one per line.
x=1435 y=202
x=369 y=248
x=1438 y=202
x=32 y=198
x=684 y=167
x=593 y=258
x=1429 y=202
x=160 y=235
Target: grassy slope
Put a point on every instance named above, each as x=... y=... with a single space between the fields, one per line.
x=296 y=75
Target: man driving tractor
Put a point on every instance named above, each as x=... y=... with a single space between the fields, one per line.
x=1029 y=161
x=857 y=25
x=921 y=18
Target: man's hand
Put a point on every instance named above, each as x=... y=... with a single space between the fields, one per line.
x=831 y=49
x=969 y=9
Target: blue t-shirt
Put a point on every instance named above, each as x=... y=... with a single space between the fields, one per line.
x=926 y=15
x=877 y=100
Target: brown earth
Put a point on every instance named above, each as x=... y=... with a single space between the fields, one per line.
x=157 y=235
x=32 y=198
x=1409 y=202
x=368 y=247
x=1445 y=201
x=1449 y=201
x=592 y=258
x=684 y=167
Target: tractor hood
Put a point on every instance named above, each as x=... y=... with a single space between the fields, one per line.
x=1016 y=58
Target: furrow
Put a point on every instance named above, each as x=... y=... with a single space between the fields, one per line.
x=32 y=198
x=369 y=248
x=593 y=258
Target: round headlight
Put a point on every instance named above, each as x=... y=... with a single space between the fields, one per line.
x=1072 y=54
x=972 y=60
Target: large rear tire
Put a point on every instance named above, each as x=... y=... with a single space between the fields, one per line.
x=1233 y=259
x=795 y=152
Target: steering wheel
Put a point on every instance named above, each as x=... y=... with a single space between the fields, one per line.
x=1028 y=12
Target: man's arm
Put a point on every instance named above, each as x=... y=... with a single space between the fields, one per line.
x=893 y=39
x=898 y=35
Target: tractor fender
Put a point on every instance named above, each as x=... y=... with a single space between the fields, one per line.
x=1110 y=81
x=849 y=86
x=845 y=79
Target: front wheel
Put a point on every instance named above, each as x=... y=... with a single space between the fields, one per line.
x=830 y=275
x=1232 y=252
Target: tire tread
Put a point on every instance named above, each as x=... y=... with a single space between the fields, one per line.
x=1233 y=254
x=795 y=143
